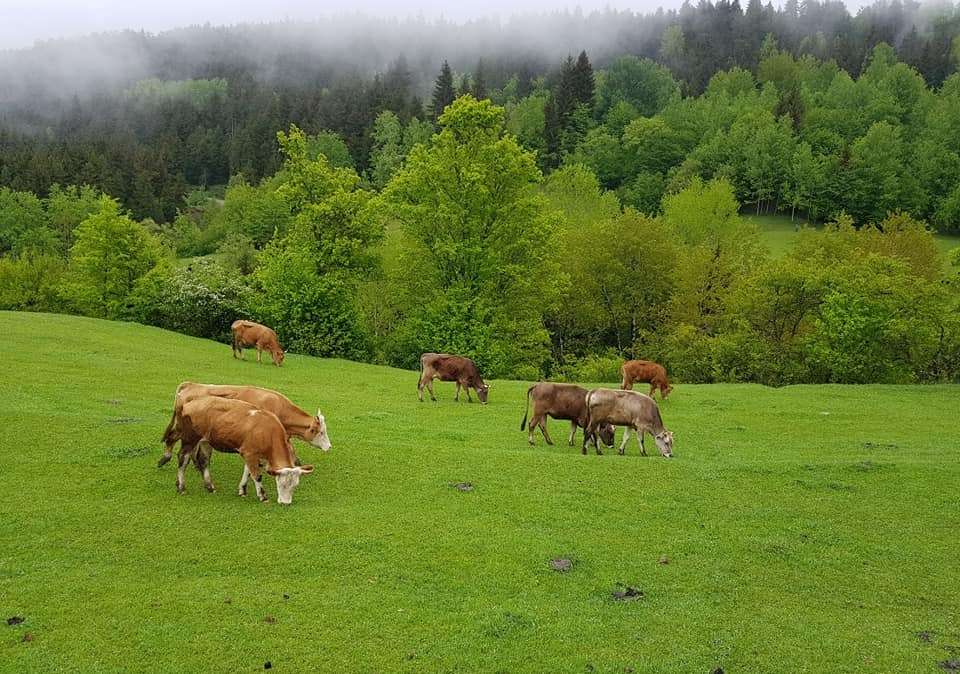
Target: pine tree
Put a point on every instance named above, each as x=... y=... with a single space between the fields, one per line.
x=464 y=88
x=565 y=96
x=443 y=93
x=582 y=80
x=552 y=133
x=479 y=89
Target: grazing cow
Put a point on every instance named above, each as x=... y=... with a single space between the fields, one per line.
x=248 y=333
x=648 y=372
x=630 y=409
x=236 y=426
x=312 y=429
x=560 y=401
x=445 y=367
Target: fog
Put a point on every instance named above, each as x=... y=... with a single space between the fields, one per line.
x=22 y=22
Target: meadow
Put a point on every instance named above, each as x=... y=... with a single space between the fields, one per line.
x=780 y=233
x=801 y=529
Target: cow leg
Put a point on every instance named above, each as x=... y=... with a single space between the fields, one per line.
x=457 y=397
x=258 y=354
x=573 y=433
x=626 y=436
x=242 y=489
x=588 y=429
x=640 y=442
x=467 y=389
x=543 y=429
x=430 y=388
x=186 y=451
x=420 y=389
x=202 y=461
x=253 y=465
x=531 y=428
x=653 y=388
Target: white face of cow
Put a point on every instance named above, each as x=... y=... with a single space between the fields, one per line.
x=665 y=443
x=287 y=481
x=321 y=439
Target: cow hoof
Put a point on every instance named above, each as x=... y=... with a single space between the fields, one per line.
x=210 y=488
x=583 y=451
x=550 y=442
x=264 y=499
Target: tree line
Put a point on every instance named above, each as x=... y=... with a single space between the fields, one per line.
x=150 y=118
x=466 y=246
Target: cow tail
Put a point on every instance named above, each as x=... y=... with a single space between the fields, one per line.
x=589 y=414
x=526 y=410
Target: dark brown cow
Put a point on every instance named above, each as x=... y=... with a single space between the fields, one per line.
x=312 y=429
x=648 y=372
x=238 y=427
x=248 y=333
x=446 y=367
x=560 y=401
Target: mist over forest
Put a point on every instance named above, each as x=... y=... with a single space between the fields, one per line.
x=547 y=194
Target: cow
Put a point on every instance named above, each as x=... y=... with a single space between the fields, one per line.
x=560 y=401
x=631 y=410
x=235 y=426
x=248 y=333
x=446 y=367
x=300 y=424
x=648 y=372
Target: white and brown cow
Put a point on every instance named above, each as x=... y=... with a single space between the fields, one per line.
x=236 y=426
x=631 y=410
x=560 y=401
x=300 y=424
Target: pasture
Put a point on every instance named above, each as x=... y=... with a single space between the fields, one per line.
x=780 y=233
x=803 y=529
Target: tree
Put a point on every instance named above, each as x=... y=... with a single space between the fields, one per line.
x=479 y=88
x=581 y=81
x=469 y=207
x=308 y=278
x=110 y=254
x=646 y=85
x=20 y=214
x=443 y=92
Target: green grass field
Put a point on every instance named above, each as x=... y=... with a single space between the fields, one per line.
x=805 y=529
x=780 y=233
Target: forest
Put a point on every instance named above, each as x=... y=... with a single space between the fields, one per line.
x=545 y=206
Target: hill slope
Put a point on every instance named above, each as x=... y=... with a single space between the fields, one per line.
x=806 y=529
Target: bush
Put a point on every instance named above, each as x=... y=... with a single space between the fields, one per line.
x=201 y=299
x=31 y=283
x=600 y=367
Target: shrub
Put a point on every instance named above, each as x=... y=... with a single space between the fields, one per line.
x=201 y=299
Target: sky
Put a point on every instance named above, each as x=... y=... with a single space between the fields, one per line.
x=22 y=22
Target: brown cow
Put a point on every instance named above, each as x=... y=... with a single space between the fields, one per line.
x=248 y=333
x=238 y=427
x=630 y=409
x=312 y=429
x=560 y=401
x=446 y=367
x=648 y=372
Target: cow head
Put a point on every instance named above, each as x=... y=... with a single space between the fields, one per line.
x=316 y=433
x=606 y=432
x=482 y=389
x=287 y=481
x=664 y=441
x=277 y=357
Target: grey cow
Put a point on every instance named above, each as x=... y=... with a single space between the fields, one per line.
x=631 y=410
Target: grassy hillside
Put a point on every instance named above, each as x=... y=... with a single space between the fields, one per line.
x=780 y=233
x=805 y=529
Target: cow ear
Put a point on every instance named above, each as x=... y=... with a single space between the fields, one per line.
x=306 y=469
x=319 y=416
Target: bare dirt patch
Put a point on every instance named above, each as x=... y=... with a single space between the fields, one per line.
x=124 y=420
x=15 y=620
x=951 y=665
x=561 y=564
x=628 y=593
x=462 y=486
x=663 y=560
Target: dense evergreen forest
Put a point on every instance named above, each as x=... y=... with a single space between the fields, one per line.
x=548 y=195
